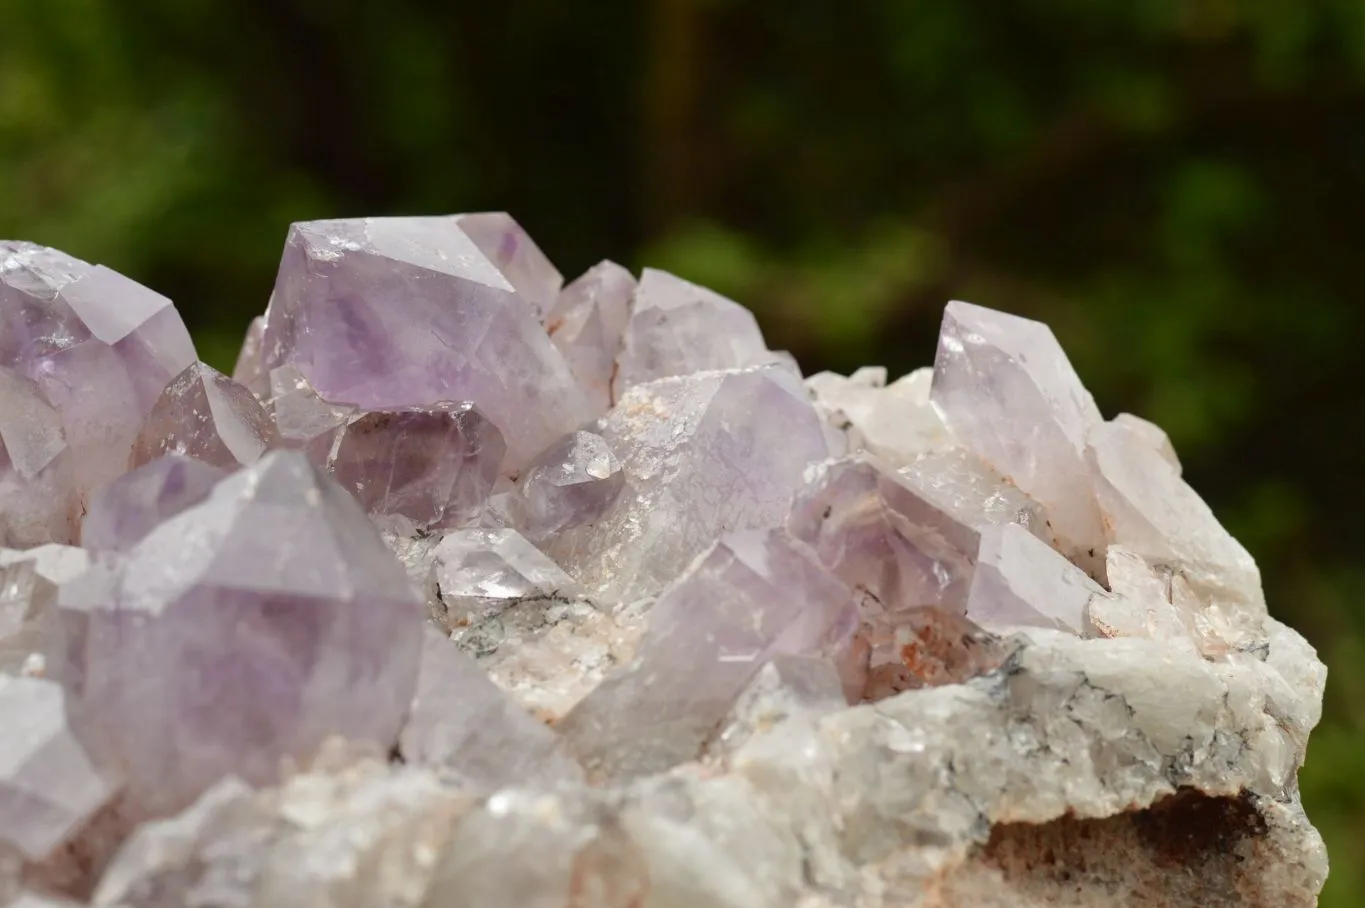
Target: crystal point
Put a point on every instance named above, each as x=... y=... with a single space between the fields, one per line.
x=1021 y=581
x=205 y=415
x=587 y=324
x=435 y=465
x=573 y=483
x=1007 y=391
x=130 y=507
x=391 y=313
x=101 y=347
x=245 y=629
x=516 y=255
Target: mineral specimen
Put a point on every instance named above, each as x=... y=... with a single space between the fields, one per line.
x=697 y=634
x=101 y=347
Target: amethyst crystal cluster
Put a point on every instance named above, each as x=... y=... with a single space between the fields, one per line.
x=470 y=587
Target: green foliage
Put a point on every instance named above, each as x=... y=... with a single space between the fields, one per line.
x=1174 y=185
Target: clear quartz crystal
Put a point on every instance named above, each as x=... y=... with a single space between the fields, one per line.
x=37 y=478
x=573 y=483
x=205 y=415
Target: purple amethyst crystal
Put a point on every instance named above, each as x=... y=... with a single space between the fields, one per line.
x=573 y=483
x=244 y=630
x=392 y=313
x=127 y=509
x=753 y=595
x=587 y=324
x=38 y=500
x=206 y=415
x=99 y=345
x=434 y=465
x=515 y=254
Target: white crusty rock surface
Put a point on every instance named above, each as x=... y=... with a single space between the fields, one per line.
x=534 y=595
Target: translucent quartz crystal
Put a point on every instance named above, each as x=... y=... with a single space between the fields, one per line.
x=702 y=454
x=890 y=544
x=1149 y=510
x=391 y=313
x=1151 y=435
x=205 y=415
x=247 y=628
x=130 y=507
x=32 y=638
x=587 y=324
x=926 y=647
x=1020 y=580
x=482 y=573
x=896 y=422
x=1008 y=392
x=463 y=722
x=678 y=328
x=434 y=465
x=515 y=254
x=753 y=595
x=303 y=419
x=50 y=784
x=101 y=347
x=573 y=483
x=1141 y=602
x=38 y=496
x=250 y=372
x=963 y=486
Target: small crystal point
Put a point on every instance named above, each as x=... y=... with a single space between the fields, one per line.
x=927 y=647
x=1008 y=392
x=130 y=507
x=38 y=496
x=896 y=423
x=250 y=627
x=462 y=721
x=435 y=465
x=49 y=782
x=206 y=415
x=304 y=420
x=677 y=328
x=516 y=255
x=573 y=483
x=587 y=324
x=1021 y=581
x=752 y=595
x=391 y=313
x=101 y=347
x=703 y=454
x=481 y=573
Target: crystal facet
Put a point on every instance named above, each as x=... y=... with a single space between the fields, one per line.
x=245 y=629
x=130 y=507
x=703 y=454
x=434 y=465
x=461 y=721
x=250 y=371
x=101 y=347
x=38 y=501
x=677 y=328
x=49 y=782
x=205 y=415
x=587 y=324
x=1019 y=580
x=515 y=254
x=895 y=422
x=389 y=313
x=753 y=595
x=1008 y=392
x=573 y=483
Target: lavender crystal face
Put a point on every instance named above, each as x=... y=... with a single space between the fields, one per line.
x=678 y=328
x=303 y=419
x=1020 y=581
x=434 y=465
x=703 y=454
x=755 y=594
x=394 y=313
x=250 y=371
x=206 y=415
x=50 y=784
x=248 y=628
x=515 y=254
x=100 y=346
x=1008 y=392
x=587 y=324
x=38 y=496
x=572 y=484
x=127 y=509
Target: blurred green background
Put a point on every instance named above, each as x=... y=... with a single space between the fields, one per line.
x=1176 y=186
